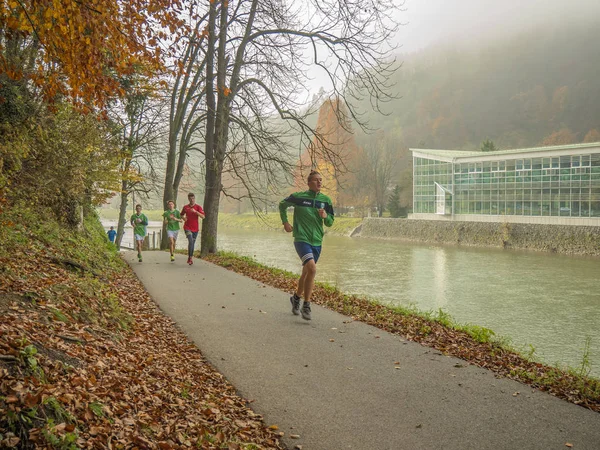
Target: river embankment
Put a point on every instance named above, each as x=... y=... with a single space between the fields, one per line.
x=564 y=239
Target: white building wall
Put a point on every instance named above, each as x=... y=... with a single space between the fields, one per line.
x=547 y=220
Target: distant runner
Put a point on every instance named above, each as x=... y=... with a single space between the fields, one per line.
x=312 y=209
x=112 y=234
x=139 y=222
x=172 y=219
x=190 y=213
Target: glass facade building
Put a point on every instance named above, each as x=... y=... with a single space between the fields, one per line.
x=560 y=181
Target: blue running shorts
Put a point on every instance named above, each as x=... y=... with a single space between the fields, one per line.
x=306 y=252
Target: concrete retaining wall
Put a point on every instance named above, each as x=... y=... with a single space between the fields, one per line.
x=574 y=240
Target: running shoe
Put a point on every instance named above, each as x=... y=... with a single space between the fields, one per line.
x=172 y=258
x=189 y=261
x=306 y=311
x=295 y=301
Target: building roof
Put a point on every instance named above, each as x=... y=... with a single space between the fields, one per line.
x=450 y=155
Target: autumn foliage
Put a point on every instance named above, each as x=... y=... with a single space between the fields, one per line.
x=333 y=153
x=78 y=50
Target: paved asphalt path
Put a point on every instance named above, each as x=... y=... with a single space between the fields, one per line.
x=337 y=383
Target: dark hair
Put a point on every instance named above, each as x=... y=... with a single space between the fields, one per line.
x=313 y=172
x=138 y=205
x=191 y=194
x=170 y=201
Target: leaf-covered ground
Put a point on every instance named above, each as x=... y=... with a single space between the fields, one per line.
x=87 y=360
x=471 y=343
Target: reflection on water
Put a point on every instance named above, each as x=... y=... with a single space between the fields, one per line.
x=551 y=302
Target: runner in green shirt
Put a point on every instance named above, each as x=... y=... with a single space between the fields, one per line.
x=138 y=222
x=312 y=209
x=172 y=219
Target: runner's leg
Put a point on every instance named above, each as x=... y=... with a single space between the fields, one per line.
x=190 y=237
x=309 y=271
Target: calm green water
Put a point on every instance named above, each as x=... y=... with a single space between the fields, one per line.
x=551 y=302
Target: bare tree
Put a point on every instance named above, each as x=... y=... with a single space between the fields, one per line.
x=381 y=156
x=257 y=58
x=139 y=121
x=187 y=111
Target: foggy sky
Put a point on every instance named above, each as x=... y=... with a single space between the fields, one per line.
x=429 y=22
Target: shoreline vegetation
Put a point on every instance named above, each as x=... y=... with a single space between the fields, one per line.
x=471 y=343
x=88 y=359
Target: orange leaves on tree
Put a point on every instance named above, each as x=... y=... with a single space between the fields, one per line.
x=83 y=48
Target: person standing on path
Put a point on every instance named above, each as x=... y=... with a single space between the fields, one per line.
x=190 y=213
x=138 y=222
x=112 y=234
x=312 y=209
x=172 y=219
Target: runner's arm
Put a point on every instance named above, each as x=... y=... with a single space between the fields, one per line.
x=328 y=221
x=283 y=206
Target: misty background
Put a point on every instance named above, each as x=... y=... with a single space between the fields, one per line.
x=460 y=22
x=518 y=73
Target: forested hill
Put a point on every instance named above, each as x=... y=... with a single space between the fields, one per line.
x=539 y=87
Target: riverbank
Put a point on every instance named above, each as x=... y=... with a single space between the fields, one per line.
x=87 y=359
x=474 y=344
x=563 y=239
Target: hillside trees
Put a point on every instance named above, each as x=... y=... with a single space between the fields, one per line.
x=561 y=137
x=70 y=164
x=257 y=54
x=488 y=146
x=516 y=92
x=592 y=136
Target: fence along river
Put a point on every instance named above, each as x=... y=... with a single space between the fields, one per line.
x=544 y=302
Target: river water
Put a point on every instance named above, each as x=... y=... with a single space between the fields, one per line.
x=546 y=302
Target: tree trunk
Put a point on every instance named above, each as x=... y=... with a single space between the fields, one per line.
x=122 y=217
x=211 y=208
x=212 y=183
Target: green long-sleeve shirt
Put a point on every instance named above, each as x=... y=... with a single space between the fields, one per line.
x=139 y=228
x=308 y=224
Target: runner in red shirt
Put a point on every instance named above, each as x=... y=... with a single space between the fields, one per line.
x=190 y=213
